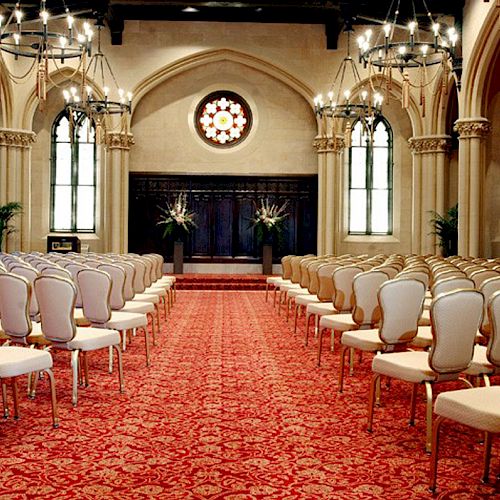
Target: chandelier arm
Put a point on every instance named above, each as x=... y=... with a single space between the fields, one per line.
x=111 y=72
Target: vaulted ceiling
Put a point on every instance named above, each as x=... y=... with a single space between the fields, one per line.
x=333 y=14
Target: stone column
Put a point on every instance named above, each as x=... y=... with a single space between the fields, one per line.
x=471 y=158
x=116 y=191
x=15 y=182
x=330 y=151
x=429 y=188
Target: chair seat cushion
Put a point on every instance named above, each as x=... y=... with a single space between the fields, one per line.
x=273 y=280
x=288 y=286
x=338 y=322
x=366 y=340
x=411 y=366
x=138 y=307
x=161 y=292
x=126 y=320
x=480 y=363
x=427 y=303
x=146 y=297
x=298 y=291
x=15 y=361
x=90 y=339
x=305 y=300
x=321 y=308
x=478 y=407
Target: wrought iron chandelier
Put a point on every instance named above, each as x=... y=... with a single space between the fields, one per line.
x=35 y=39
x=82 y=99
x=339 y=103
x=407 y=48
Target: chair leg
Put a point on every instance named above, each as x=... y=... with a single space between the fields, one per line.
x=413 y=403
x=296 y=317
x=146 y=341
x=428 y=417
x=435 y=452
x=15 y=397
x=487 y=456
x=332 y=340
x=351 y=361
x=343 y=351
x=120 y=367
x=289 y=302
x=74 y=367
x=275 y=293
x=110 y=364
x=4 y=400
x=320 y=345
x=486 y=380
x=308 y=317
x=153 y=329
x=316 y=325
x=157 y=308
x=55 y=413
x=371 y=400
x=86 y=369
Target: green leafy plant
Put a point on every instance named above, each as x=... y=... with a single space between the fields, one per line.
x=446 y=229
x=176 y=219
x=7 y=213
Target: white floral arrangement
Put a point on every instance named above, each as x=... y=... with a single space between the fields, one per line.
x=268 y=218
x=176 y=217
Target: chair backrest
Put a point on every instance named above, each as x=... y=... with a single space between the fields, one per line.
x=286 y=266
x=295 y=277
x=493 y=349
x=95 y=286
x=312 y=271
x=304 y=271
x=488 y=288
x=117 y=275
x=416 y=275
x=479 y=277
x=74 y=268
x=365 y=286
x=56 y=297
x=390 y=270
x=128 y=285
x=140 y=270
x=472 y=268
x=455 y=320
x=325 y=281
x=30 y=273
x=93 y=262
x=57 y=271
x=450 y=284
x=401 y=301
x=15 y=298
x=148 y=274
x=342 y=284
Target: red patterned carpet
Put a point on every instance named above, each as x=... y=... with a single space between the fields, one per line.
x=232 y=407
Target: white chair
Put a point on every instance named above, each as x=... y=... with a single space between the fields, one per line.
x=95 y=286
x=400 y=302
x=15 y=292
x=56 y=297
x=478 y=408
x=456 y=317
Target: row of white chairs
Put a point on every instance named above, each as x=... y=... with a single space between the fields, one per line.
x=382 y=305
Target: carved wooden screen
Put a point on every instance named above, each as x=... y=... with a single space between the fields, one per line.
x=224 y=206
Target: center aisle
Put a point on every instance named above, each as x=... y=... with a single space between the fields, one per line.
x=234 y=407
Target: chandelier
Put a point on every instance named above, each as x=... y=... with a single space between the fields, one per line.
x=83 y=100
x=35 y=39
x=340 y=104
x=407 y=47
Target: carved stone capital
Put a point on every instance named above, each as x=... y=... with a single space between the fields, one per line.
x=329 y=144
x=16 y=138
x=430 y=144
x=472 y=127
x=119 y=140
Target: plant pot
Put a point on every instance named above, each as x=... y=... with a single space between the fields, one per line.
x=178 y=257
x=267 y=258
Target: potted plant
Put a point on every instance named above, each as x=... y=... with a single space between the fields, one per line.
x=177 y=222
x=7 y=213
x=268 y=223
x=446 y=229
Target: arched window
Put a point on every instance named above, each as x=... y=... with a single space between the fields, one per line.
x=370 y=179
x=73 y=176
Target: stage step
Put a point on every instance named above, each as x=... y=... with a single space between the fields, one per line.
x=220 y=282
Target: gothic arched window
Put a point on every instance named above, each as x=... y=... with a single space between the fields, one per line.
x=73 y=175
x=370 y=179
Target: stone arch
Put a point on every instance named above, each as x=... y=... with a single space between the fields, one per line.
x=480 y=65
x=217 y=55
x=5 y=97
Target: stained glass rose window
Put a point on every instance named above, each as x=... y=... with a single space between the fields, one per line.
x=223 y=118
